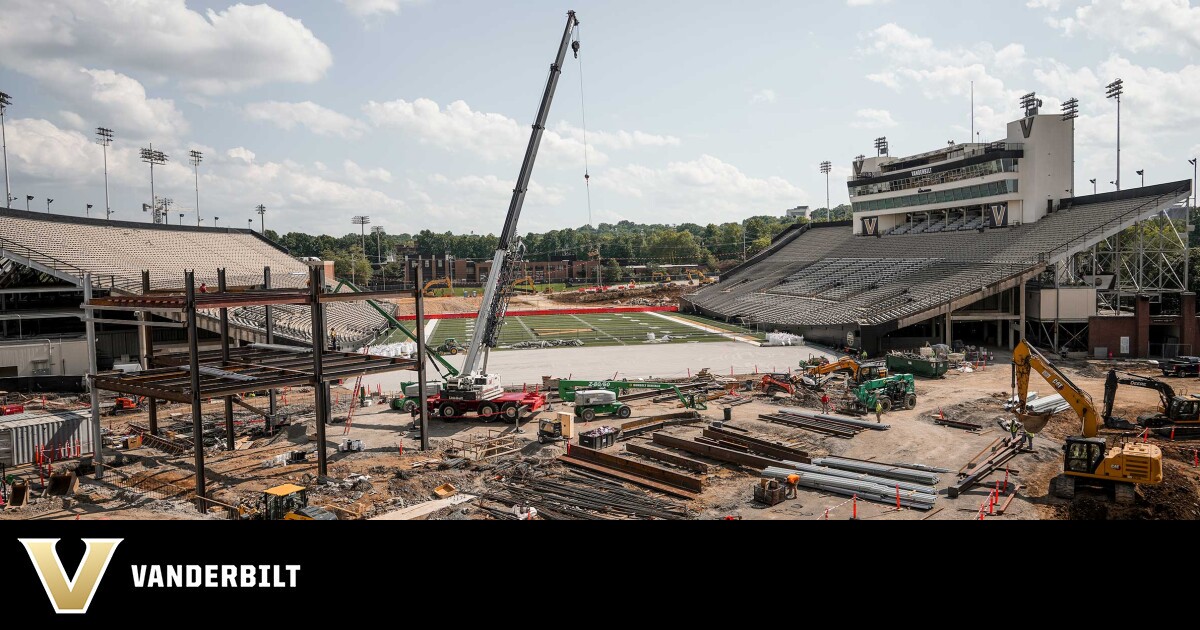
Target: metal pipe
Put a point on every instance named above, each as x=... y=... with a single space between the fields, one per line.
x=891 y=472
x=860 y=476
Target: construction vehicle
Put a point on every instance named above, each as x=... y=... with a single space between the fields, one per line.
x=568 y=390
x=591 y=402
x=438 y=282
x=125 y=404
x=555 y=429
x=897 y=391
x=1181 y=366
x=859 y=372
x=697 y=276
x=1175 y=413
x=474 y=389
x=524 y=285
x=289 y=502
x=660 y=277
x=1088 y=459
x=772 y=383
x=450 y=346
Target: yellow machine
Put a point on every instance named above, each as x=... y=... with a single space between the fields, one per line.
x=696 y=276
x=440 y=282
x=289 y=502
x=859 y=372
x=1087 y=458
x=524 y=285
x=659 y=276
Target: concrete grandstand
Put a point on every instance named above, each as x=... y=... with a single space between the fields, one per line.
x=44 y=260
x=907 y=287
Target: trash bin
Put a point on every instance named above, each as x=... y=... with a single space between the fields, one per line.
x=728 y=414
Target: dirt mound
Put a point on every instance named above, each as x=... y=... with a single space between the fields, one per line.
x=1177 y=498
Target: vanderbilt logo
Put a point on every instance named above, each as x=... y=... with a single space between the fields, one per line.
x=858 y=165
x=999 y=215
x=74 y=595
x=1026 y=126
x=869 y=225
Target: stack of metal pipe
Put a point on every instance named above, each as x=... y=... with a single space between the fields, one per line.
x=866 y=487
x=880 y=470
x=1049 y=404
x=808 y=413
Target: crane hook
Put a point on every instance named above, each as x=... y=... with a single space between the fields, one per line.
x=575 y=48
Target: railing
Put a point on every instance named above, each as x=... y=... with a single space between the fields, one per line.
x=58 y=265
x=1053 y=251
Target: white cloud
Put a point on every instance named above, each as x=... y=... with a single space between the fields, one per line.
x=72 y=120
x=764 y=96
x=873 y=119
x=701 y=190
x=362 y=176
x=240 y=153
x=317 y=119
x=210 y=53
x=369 y=8
x=864 y=3
x=1136 y=25
x=1052 y=5
x=490 y=136
x=617 y=139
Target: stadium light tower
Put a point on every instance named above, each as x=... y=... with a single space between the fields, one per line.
x=152 y=157
x=362 y=221
x=195 y=157
x=1030 y=103
x=1142 y=173
x=5 y=101
x=28 y=198
x=87 y=211
x=378 y=231
x=1193 y=163
x=1070 y=111
x=48 y=202
x=181 y=218
x=104 y=138
x=825 y=168
x=215 y=219
x=262 y=218
x=881 y=145
x=1115 y=90
x=250 y=224
x=1093 y=185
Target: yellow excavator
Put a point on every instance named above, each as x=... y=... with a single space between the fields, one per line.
x=439 y=282
x=1088 y=459
x=859 y=372
x=524 y=285
x=696 y=276
x=289 y=502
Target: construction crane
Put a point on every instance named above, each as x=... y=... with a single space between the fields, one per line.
x=1175 y=412
x=1087 y=458
x=473 y=386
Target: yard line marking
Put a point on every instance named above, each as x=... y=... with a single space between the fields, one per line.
x=710 y=329
x=599 y=330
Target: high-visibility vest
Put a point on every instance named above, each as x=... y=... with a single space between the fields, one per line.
x=793 y=479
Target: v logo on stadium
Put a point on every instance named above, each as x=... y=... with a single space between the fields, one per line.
x=870 y=224
x=1026 y=126
x=70 y=596
x=999 y=215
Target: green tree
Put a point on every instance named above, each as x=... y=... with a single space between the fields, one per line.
x=350 y=263
x=612 y=271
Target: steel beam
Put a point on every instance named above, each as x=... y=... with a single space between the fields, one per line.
x=147 y=334
x=688 y=463
x=422 y=361
x=715 y=452
x=197 y=422
x=225 y=359
x=316 y=280
x=756 y=445
x=620 y=474
x=269 y=324
x=656 y=473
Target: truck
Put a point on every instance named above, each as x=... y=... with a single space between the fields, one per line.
x=569 y=390
x=897 y=391
x=1181 y=366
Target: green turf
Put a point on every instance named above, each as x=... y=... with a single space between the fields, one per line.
x=719 y=324
x=603 y=329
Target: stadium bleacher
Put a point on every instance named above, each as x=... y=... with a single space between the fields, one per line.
x=824 y=275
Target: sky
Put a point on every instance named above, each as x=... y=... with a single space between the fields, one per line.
x=417 y=112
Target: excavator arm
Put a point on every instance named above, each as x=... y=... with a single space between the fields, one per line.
x=1166 y=393
x=1027 y=359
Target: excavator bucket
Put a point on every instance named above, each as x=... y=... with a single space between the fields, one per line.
x=1033 y=422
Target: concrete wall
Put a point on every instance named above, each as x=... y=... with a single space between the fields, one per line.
x=60 y=357
x=1048 y=168
x=1077 y=303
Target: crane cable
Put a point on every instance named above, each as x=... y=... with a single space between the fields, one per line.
x=583 y=115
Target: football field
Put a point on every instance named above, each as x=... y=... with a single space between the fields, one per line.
x=601 y=329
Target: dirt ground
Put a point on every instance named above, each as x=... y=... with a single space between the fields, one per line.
x=391 y=473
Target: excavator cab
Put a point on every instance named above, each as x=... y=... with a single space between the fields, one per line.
x=1084 y=455
x=1184 y=409
x=289 y=502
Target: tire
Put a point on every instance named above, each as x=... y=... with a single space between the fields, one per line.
x=408 y=406
x=541 y=439
x=588 y=414
x=487 y=411
x=1124 y=493
x=510 y=411
x=453 y=350
x=886 y=404
x=448 y=412
x=1063 y=487
x=910 y=401
x=624 y=412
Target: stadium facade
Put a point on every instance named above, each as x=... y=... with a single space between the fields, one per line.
x=981 y=242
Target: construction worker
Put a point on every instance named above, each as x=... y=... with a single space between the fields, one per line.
x=824 y=403
x=793 y=481
x=203 y=288
x=333 y=340
x=878 y=411
x=864 y=354
x=1014 y=428
x=1028 y=440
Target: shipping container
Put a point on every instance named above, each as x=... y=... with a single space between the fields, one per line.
x=63 y=434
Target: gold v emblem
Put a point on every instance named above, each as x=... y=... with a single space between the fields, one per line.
x=74 y=595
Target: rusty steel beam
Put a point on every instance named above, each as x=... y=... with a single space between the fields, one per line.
x=983 y=469
x=760 y=446
x=693 y=465
x=716 y=452
x=366 y=295
x=613 y=472
x=657 y=473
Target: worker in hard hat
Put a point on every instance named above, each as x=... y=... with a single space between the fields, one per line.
x=793 y=482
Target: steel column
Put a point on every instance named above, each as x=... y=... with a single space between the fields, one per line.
x=316 y=280
x=269 y=323
x=189 y=282
x=93 y=368
x=146 y=335
x=421 y=360
x=225 y=360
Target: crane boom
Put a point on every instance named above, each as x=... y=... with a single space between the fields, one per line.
x=509 y=251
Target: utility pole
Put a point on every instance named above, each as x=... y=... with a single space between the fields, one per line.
x=1115 y=90
x=825 y=168
x=5 y=101
x=262 y=218
x=196 y=156
x=152 y=157
x=104 y=137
